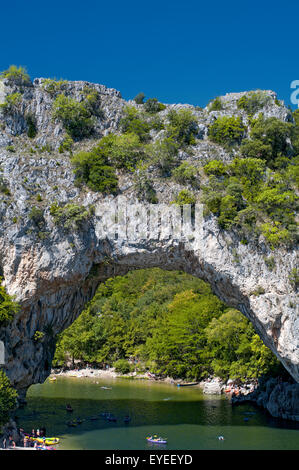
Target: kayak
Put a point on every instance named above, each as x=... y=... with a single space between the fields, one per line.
x=72 y=423
x=189 y=384
x=156 y=440
x=49 y=441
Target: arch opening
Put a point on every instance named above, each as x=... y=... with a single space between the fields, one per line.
x=167 y=323
x=57 y=302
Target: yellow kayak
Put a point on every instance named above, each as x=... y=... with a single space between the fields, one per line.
x=49 y=441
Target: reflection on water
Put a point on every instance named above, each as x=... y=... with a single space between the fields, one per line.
x=189 y=419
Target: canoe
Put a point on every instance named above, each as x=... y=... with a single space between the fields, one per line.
x=157 y=440
x=72 y=424
x=187 y=384
x=49 y=441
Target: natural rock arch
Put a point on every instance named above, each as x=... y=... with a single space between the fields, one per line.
x=53 y=282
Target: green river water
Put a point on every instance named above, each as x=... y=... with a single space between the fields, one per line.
x=188 y=418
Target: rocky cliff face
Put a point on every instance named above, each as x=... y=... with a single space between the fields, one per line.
x=53 y=273
x=280 y=399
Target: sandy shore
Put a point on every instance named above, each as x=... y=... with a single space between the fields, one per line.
x=99 y=373
x=209 y=386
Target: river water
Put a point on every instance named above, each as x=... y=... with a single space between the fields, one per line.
x=188 y=418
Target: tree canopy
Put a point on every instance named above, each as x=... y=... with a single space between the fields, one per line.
x=170 y=323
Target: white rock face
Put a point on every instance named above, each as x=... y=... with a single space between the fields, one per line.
x=212 y=388
x=54 y=276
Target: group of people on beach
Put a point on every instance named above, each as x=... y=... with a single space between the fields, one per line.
x=25 y=439
x=8 y=443
x=28 y=442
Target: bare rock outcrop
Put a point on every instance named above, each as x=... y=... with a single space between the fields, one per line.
x=280 y=399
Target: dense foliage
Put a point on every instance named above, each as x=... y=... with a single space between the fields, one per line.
x=78 y=118
x=227 y=131
x=71 y=216
x=254 y=194
x=12 y=103
x=252 y=198
x=8 y=307
x=94 y=169
x=139 y=98
x=8 y=397
x=168 y=322
x=184 y=197
x=182 y=127
x=75 y=117
x=186 y=174
x=153 y=106
x=139 y=122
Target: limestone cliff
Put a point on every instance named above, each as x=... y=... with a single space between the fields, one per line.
x=53 y=273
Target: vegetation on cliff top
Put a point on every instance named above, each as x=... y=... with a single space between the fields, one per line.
x=255 y=195
x=16 y=75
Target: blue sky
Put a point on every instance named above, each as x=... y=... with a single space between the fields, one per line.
x=178 y=51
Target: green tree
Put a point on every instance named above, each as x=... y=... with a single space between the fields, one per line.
x=122 y=151
x=185 y=197
x=133 y=122
x=274 y=133
x=186 y=174
x=12 y=103
x=8 y=307
x=122 y=366
x=182 y=127
x=256 y=149
x=94 y=169
x=76 y=117
x=153 y=106
x=236 y=349
x=178 y=346
x=16 y=75
x=227 y=130
x=8 y=398
x=139 y=98
x=71 y=216
x=215 y=167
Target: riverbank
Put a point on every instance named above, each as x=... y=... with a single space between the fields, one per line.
x=280 y=399
x=212 y=385
x=108 y=373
